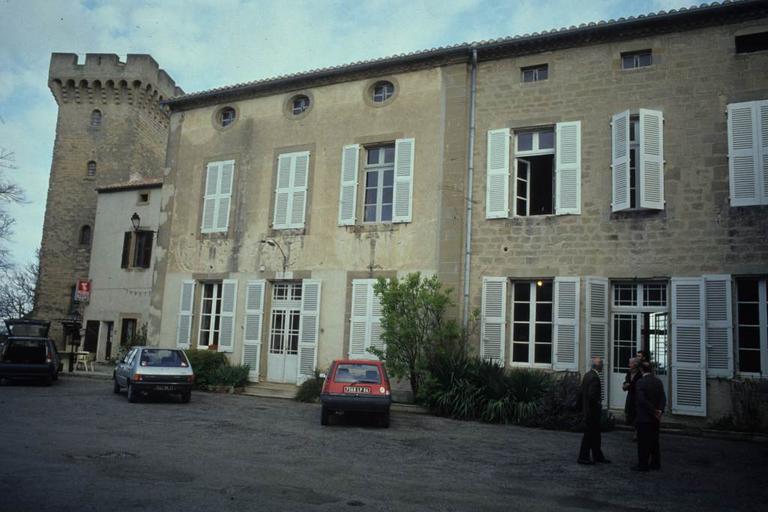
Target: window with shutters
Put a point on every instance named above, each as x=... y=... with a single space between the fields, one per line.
x=210 y=315
x=217 y=196
x=137 y=249
x=379 y=183
x=752 y=325
x=748 y=152
x=637 y=165
x=534 y=188
x=291 y=191
x=532 y=323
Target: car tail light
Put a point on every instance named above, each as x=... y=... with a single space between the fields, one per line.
x=191 y=379
x=137 y=376
x=48 y=355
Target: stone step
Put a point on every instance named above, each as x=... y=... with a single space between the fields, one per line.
x=271 y=390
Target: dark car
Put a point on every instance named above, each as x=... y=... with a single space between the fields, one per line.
x=356 y=386
x=27 y=352
x=146 y=370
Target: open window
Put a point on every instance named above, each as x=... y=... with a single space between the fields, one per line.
x=534 y=173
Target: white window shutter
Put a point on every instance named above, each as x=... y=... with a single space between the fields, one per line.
x=650 y=166
x=186 y=304
x=225 y=195
x=620 y=161
x=566 y=324
x=719 y=325
x=375 y=322
x=568 y=168
x=210 y=200
x=743 y=154
x=254 y=319
x=348 y=193
x=282 y=191
x=493 y=319
x=689 y=391
x=309 y=328
x=227 y=317
x=300 y=179
x=597 y=325
x=358 y=319
x=497 y=174
x=402 y=194
x=762 y=116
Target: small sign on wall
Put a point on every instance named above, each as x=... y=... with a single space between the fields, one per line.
x=83 y=290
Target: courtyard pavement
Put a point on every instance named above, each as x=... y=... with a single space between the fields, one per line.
x=77 y=446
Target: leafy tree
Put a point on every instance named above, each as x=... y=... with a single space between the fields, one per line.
x=414 y=324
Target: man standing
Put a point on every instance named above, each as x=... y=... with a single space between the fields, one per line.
x=590 y=403
x=651 y=401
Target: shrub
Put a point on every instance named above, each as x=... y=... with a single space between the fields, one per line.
x=205 y=364
x=309 y=391
x=236 y=375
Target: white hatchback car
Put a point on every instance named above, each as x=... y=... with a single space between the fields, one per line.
x=146 y=370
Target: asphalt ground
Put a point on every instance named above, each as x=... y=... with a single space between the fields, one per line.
x=77 y=446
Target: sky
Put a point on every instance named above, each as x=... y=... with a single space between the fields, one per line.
x=204 y=44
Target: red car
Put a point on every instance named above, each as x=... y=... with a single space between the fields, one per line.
x=356 y=386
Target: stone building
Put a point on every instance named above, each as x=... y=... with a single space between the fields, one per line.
x=623 y=170
x=110 y=125
x=593 y=190
x=284 y=200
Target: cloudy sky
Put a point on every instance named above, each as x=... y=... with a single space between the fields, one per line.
x=204 y=44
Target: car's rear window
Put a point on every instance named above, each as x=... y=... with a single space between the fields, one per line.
x=31 y=330
x=358 y=373
x=163 y=357
x=24 y=352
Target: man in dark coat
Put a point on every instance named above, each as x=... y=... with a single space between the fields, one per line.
x=650 y=403
x=591 y=404
x=630 y=380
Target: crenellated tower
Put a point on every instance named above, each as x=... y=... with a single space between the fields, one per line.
x=111 y=126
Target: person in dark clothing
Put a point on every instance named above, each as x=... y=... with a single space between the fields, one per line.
x=591 y=405
x=633 y=375
x=650 y=403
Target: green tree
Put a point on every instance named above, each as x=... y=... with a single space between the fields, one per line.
x=413 y=323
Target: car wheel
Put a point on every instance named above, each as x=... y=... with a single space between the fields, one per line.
x=324 y=413
x=116 y=386
x=384 y=420
x=186 y=396
x=132 y=395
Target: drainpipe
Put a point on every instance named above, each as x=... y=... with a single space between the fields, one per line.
x=470 y=183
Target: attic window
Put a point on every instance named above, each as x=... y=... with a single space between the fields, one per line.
x=750 y=43
x=382 y=91
x=638 y=59
x=227 y=116
x=299 y=104
x=143 y=198
x=535 y=73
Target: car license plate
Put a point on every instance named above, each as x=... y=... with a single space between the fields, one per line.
x=356 y=389
x=163 y=388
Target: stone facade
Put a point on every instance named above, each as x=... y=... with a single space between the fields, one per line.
x=696 y=74
x=130 y=138
x=237 y=271
x=341 y=114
